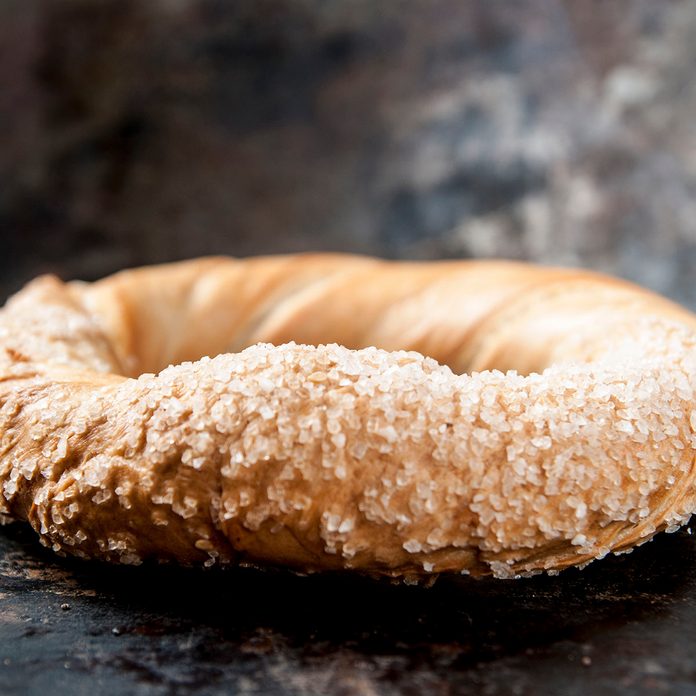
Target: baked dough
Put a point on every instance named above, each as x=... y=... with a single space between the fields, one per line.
x=552 y=422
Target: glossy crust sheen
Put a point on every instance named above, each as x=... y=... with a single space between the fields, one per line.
x=551 y=424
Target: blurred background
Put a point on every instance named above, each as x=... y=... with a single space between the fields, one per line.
x=137 y=132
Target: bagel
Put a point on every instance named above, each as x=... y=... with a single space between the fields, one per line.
x=280 y=411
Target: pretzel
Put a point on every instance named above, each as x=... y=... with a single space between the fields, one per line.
x=551 y=423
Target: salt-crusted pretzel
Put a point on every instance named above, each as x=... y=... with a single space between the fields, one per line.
x=347 y=456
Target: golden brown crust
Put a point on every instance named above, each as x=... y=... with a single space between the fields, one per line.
x=338 y=456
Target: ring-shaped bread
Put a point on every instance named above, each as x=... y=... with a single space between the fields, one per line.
x=552 y=422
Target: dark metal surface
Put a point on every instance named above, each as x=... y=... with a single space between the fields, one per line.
x=623 y=625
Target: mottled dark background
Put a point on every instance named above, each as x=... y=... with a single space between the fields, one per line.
x=137 y=131
x=133 y=132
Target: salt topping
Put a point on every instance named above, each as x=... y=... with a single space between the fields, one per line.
x=386 y=461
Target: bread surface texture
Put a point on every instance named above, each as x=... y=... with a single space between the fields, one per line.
x=281 y=411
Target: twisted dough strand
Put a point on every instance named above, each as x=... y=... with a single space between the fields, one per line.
x=326 y=456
